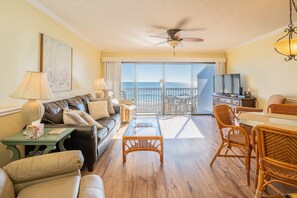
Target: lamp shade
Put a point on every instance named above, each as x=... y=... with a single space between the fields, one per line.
x=33 y=86
x=283 y=47
x=99 y=84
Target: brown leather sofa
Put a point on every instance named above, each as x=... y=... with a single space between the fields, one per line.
x=88 y=139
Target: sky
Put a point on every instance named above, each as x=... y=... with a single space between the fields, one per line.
x=153 y=72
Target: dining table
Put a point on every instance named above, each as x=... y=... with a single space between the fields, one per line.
x=183 y=101
x=252 y=119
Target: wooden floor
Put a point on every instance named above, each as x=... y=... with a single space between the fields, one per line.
x=185 y=172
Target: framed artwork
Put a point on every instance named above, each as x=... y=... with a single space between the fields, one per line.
x=56 y=61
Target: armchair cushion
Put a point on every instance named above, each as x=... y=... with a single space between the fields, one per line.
x=6 y=187
x=42 y=166
x=62 y=187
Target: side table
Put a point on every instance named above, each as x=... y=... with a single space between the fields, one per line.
x=48 y=140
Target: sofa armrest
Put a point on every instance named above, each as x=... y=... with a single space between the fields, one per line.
x=48 y=165
x=83 y=138
x=79 y=131
x=117 y=108
x=91 y=186
x=247 y=109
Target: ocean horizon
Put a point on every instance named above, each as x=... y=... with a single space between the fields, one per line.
x=130 y=85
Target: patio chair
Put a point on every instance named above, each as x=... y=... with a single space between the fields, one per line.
x=232 y=136
x=278 y=157
x=172 y=106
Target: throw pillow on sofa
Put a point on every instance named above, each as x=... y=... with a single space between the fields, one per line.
x=72 y=117
x=89 y=119
x=110 y=108
x=98 y=109
x=77 y=117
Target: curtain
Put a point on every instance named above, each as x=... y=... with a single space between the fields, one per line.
x=220 y=68
x=113 y=76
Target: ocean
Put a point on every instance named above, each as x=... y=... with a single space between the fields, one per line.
x=129 y=85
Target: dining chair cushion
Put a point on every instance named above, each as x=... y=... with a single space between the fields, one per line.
x=238 y=138
x=274 y=99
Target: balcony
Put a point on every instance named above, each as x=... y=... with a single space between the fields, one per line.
x=151 y=100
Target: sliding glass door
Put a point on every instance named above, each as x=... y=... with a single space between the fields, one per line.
x=149 y=88
x=178 y=88
x=169 y=88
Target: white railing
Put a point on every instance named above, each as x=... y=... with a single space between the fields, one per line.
x=150 y=100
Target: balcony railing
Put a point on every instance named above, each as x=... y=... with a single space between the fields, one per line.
x=150 y=100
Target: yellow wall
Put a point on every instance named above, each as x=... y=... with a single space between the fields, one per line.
x=21 y=25
x=263 y=70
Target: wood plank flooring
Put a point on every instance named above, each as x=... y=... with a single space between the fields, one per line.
x=185 y=172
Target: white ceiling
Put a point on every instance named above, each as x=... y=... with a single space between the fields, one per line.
x=125 y=25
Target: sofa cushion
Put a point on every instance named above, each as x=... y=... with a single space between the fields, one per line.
x=53 y=112
x=102 y=133
x=91 y=186
x=108 y=123
x=85 y=99
x=115 y=117
x=62 y=187
x=6 y=187
x=76 y=103
x=98 y=109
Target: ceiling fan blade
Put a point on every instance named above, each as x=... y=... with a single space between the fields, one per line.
x=182 y=23
x=160 y=43
x=193 y=39
x=180 y=34
x=160 y=27
x=156 y=36
x=194 y=29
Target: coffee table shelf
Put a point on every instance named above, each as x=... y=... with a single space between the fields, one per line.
x=143 y=134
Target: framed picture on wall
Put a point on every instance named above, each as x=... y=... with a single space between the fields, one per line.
x=56 y=61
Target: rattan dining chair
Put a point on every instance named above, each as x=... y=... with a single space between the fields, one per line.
x=232 y=136
x=287 y=109
x=278 y=157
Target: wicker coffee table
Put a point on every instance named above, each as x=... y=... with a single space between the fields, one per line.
x=143 y=134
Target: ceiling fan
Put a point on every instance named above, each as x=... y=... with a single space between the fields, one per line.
x=176 y=37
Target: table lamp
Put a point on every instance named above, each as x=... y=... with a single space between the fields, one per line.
x=33 y=87
x=100 y=86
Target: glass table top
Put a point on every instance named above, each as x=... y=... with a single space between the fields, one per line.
x=143 y=126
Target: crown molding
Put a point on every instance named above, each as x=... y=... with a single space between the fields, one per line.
x=263 y=36
x=56 y=18
x=163 y=59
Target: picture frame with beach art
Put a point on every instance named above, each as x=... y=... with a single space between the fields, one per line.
x=56 y=61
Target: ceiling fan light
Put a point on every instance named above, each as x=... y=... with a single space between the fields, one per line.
x=173 y=43
x=284 y=47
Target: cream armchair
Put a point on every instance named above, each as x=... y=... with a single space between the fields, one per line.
x=51 y=175
x=128 y=110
